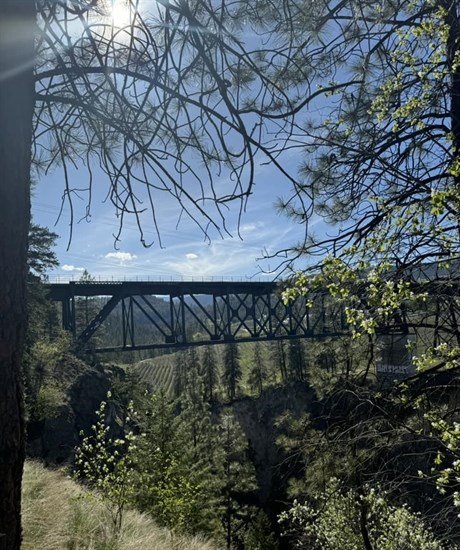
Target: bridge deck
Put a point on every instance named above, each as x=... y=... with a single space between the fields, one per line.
x=62 y=291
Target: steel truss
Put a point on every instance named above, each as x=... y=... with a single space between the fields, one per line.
x=219 y=312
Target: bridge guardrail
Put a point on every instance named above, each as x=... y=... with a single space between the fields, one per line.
x=58 y=279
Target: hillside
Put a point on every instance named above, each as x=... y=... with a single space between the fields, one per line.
x=159 y=372
x=59 y=514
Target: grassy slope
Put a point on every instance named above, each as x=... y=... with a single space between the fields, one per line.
x=57 y=516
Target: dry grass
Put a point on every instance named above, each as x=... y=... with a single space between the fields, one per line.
x=59 y=515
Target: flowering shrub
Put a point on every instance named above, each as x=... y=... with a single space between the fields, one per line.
x=350 y=520
x=108 y=465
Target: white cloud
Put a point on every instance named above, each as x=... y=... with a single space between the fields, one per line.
x=67 y=267
x=122 y=257
x=248 y=228
x=238 y=257
x=218 y=259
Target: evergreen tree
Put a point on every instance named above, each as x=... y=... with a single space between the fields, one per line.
x=193 y=407
x=210 y=373
x=180 y=374
x=194 y=381
x=41 y=257
x=259 y=534
x=40 y=254
x=258 y=372
x=39 y=355
x=86 y=277
x=296 y=360
x=278 y=358
x=238 y=482
x=164 y=482
x=198 y=437
x=232 y=373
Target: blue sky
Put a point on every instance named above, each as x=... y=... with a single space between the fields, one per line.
x=185 y=252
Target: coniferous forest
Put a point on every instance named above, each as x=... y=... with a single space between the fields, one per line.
x=264 y=445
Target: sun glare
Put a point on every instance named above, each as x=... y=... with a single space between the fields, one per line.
x=120 y=15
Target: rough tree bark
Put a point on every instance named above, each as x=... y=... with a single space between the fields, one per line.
x=17 y=25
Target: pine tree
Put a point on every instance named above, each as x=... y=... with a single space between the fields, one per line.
x=39 y=357
x=296 y=360
x=40 y=254
x=40 y=258
x=164 y=483
x=194 y=379
x=198 y=443
x=180 y=374
x=278 y=357
x=210 y=373
x=238 y=482
x=258 y=373
x=232 y=371
x=193 y=408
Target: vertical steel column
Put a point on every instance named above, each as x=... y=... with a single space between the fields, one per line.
x=73 y=323
x=172 y=323
x=123 y=321
x=174 y=320
x=229 y=317
x=182 y=315
x=127 y=315
x=66 y=314
x=253 y=313
x=270 y=322
x=216 y=335
x=131 y=319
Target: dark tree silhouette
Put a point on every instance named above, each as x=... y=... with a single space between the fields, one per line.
x=232 y=372
x=17 y=21
x=40 y=253
x=258 y=373
x=210 y=373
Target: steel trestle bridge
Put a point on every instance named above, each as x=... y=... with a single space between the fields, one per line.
x=167 y=314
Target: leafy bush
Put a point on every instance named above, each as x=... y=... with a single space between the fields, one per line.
x=108 y=465
x=356 y=521
x=48 y=402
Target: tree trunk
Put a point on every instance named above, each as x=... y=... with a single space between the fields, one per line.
x=17 y=26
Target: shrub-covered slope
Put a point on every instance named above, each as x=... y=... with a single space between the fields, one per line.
x=58 y=514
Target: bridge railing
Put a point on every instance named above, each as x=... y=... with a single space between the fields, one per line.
x=104 y=279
